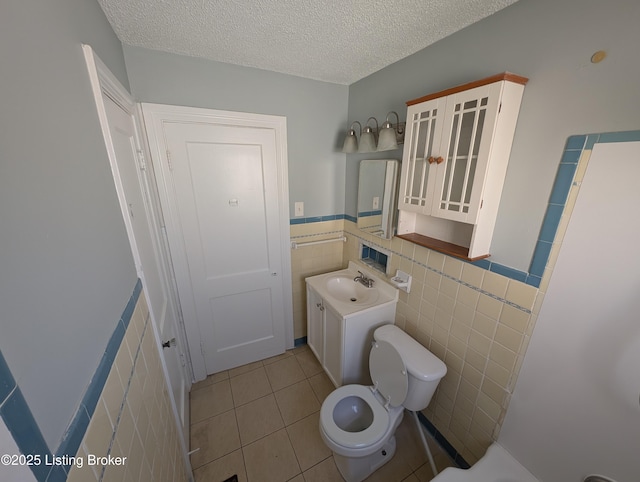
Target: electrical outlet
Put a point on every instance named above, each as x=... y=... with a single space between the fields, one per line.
x=299 y=209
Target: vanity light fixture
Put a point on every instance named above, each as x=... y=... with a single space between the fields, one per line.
x=351 y=141
x=374 y=139
x=388 y=138
x=368 y=137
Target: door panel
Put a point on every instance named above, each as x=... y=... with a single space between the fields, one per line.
x=226 y=203
x=146 y=251
x=118 y=119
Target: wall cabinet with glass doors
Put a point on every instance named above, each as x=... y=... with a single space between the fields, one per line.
x=454 y=163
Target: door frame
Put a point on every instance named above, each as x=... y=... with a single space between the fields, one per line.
x=154 y=116
x=104 y=82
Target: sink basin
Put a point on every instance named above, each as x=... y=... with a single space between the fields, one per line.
x=344 y=289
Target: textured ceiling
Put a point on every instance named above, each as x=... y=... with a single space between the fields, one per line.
x=337 y=41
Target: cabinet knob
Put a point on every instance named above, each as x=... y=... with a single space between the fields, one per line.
x=431 y=160
x=437 y=160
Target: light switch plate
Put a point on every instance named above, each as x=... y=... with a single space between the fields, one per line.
x=299 y=208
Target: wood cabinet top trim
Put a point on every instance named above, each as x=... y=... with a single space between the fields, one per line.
x=517 y=79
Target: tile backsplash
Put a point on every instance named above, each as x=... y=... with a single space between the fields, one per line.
x=133 y=416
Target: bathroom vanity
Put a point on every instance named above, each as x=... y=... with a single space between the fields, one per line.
x=342 y=315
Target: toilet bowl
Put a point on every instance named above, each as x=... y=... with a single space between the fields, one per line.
x=497 y=465
x=358 y=422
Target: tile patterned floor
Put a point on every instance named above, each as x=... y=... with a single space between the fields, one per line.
x=260 y=421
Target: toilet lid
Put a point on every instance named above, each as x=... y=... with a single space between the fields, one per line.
x=388 y=372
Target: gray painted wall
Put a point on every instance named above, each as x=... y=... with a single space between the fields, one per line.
x=66 y=270
x=551 y=43
x=315 y=111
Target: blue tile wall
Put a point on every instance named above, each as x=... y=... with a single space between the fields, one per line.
x=378 y=258
x=573 y=150
x=19 y=420
x=364 y=214
x=318 y=219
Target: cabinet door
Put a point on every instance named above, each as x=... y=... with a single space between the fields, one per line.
x=315 y=329
x=466 y=148
x=334 y=345
x=424 y=132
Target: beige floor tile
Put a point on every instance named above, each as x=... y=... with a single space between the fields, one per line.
x=297 y=350
x=424 y=473
x=305 y=437
x=321 y=386
x=283 y=391
x=395 y=470
x=325 y=471
x=215 y=437
x=258 y=418
x=411 y=478
x=203 y=383
x=296 y=402
x=210 y=400
x=284 y=373
x=276 y=358
x=250 y=386
x=443 y=460
x=409 y=443
x=218 y=377
x=223 y=468
x=271 y=459
x=309 y=363
x=234 y=372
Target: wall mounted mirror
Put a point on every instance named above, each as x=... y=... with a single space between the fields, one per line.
x=377 y=193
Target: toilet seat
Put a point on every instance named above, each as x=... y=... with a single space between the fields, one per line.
x=354 y=440
x=389 y=375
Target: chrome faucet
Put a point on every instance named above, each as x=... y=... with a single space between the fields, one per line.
x=363 y=280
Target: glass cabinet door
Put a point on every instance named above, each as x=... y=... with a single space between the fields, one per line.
x=467 y=131
x=424 y=131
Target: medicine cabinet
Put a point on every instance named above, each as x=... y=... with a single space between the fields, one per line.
x=454 y=163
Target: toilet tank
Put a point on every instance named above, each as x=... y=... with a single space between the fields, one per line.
x=424 y=369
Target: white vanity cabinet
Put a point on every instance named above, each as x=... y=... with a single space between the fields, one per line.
x=454 y=163
x=342 y=343
x=315 y=323
x=340 y=333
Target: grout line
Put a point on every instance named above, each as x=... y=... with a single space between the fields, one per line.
x=126 y=393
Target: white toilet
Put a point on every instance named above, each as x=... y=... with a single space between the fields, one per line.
x=497 y=465
x=358 y=422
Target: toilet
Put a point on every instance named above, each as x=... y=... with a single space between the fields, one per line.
x=358 y=422
x=497 y=465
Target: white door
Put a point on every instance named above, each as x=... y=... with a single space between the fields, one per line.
x=223 y=185
x=117 y=115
